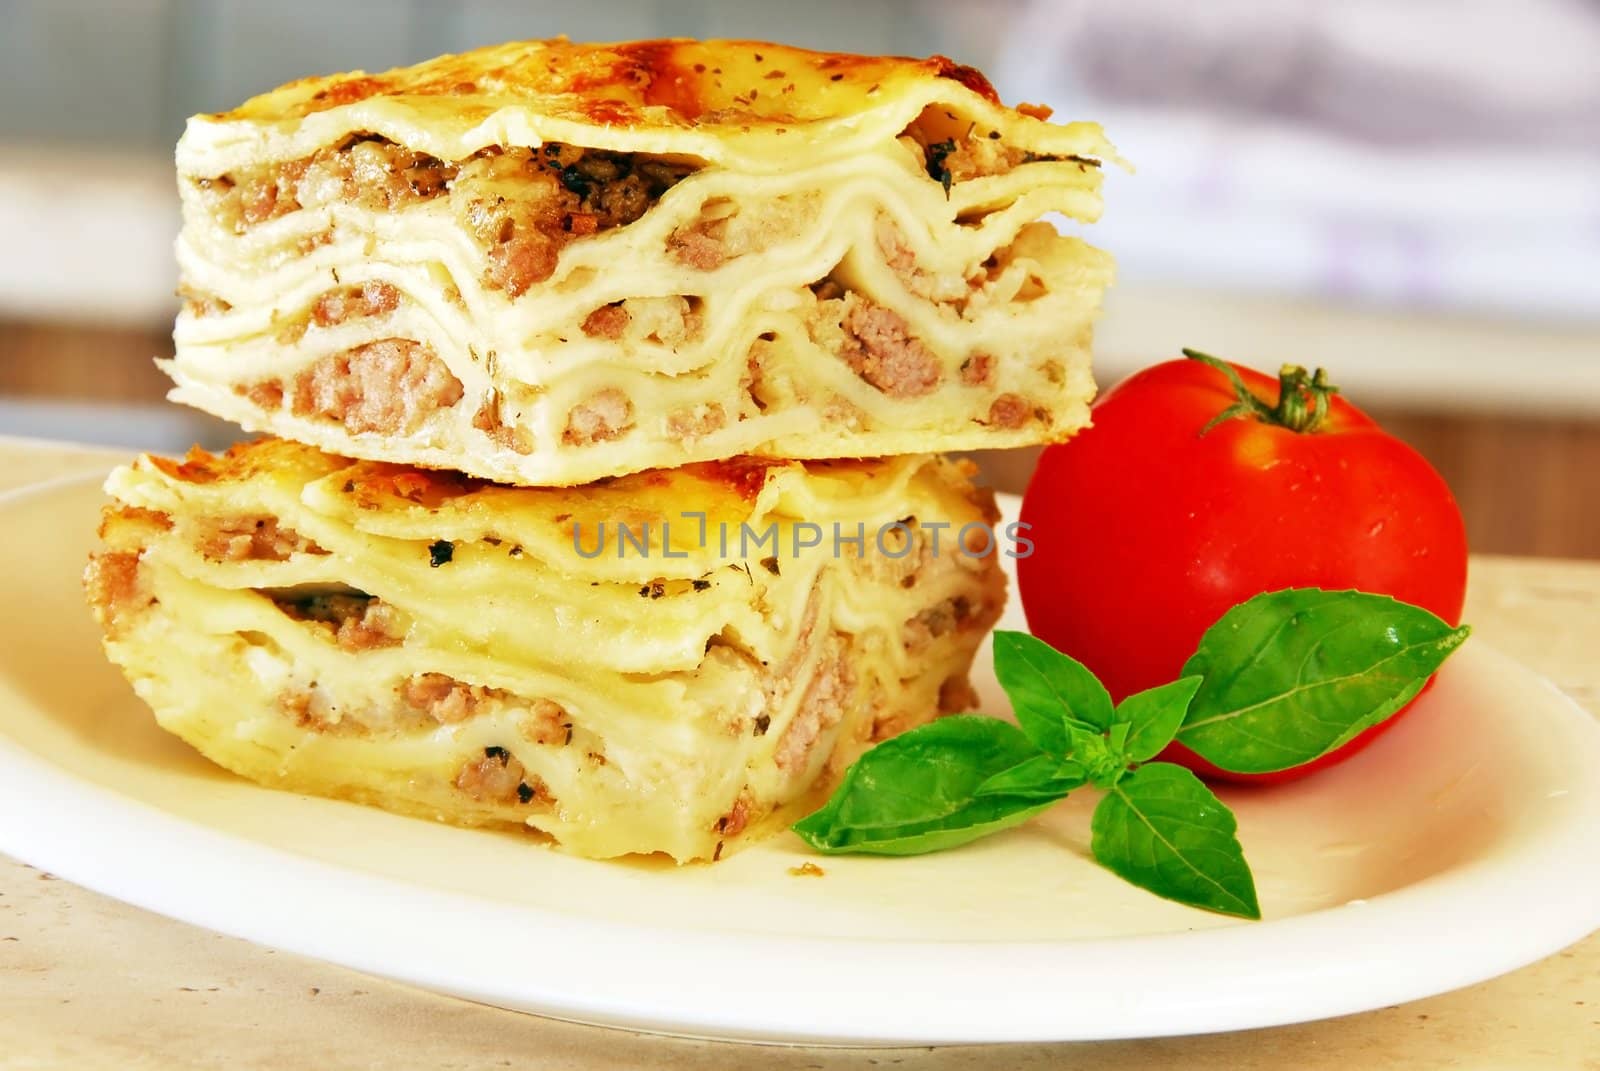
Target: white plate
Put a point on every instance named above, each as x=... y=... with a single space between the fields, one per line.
x=1464 y=844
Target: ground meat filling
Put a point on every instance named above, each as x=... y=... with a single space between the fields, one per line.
x=372 y=298
x=239 y=539
x=264 y=394
x=608 y=322
x=606 y=415
x=524 y=205
x=956 y=150
x=498 y=777
x=354 y=620
x=546 y=722
x=722 y=232
x=491 y=420
x=1011 y=411
x=388 y=387
x=880 y=348
x=116 y=590
x=696 y=422
x=200 y=304
x=445 y=699
x=821 y=706
x=951 y=288
x=703 y=245
x=666 y=321
x=936 y=621
x=977 y=370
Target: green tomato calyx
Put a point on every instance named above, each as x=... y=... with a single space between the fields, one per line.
x=1303 y=397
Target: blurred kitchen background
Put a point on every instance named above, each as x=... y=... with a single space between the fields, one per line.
x=1406 y=192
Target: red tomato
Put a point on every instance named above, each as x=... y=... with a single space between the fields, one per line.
x=1147 y=526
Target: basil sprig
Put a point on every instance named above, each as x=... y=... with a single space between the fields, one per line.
x=1278 y=681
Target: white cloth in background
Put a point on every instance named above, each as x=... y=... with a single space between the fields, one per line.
x=1424 y=154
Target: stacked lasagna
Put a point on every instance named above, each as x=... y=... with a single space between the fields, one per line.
x=570 y=354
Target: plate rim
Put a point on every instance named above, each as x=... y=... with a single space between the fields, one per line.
x=829 y=990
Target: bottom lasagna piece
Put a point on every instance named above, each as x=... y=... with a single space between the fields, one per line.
x=666 y=662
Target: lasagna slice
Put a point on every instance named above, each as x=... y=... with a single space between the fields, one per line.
x=545 y=263
x=665 y=662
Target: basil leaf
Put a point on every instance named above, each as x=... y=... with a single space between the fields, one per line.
x=1049 y=691
x=1117 y=736
x=1043 y=777
x=1100 y=757
x=1163 y=830
x=917 y=792
x=1291 y=675
x=1152 y=717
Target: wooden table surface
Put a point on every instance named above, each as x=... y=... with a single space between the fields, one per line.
x=87 y=982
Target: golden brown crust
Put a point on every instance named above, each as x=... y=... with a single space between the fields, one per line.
x=673 y=82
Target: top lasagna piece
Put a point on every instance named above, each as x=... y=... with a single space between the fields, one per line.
x=546 y=263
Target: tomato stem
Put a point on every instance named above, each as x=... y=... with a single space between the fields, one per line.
x=1303 y=397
